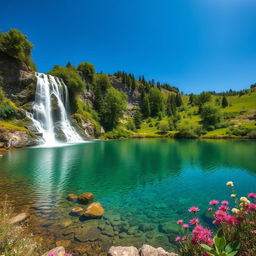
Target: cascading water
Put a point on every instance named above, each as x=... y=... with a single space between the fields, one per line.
x=50 y=111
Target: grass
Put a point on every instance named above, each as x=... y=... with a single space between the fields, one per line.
x=14 y=239
x=11 y=126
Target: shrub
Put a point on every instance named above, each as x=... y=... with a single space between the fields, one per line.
x=210 y=115
x=117 y=133
x=71 y=78
x=7 y=111
x=235 y=229
x=238 y=131
x=87 y=70
x=130 y=125
x=252 y=134
x=163 y=126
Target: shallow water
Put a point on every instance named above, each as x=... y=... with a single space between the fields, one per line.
x=144 y=186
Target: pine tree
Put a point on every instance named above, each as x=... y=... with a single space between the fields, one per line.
x=146 y=106
x=224 y=102
x=178 y=100
x=68 y=64
x=171 y=105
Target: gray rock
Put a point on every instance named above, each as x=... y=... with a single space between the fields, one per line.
x=147 y=250
x=123 y=251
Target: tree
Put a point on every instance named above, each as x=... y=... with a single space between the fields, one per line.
x=156 y=101
x=87 y=70
x=137 y=118
x=171 y=105
x=113 y=108
x=163 y=126
x=224 y=102
x=192 y=99
x=178 y=100
x=202 y=98
x=146 y=106
x=210 y=115
x=68 y=64
x=16 y=45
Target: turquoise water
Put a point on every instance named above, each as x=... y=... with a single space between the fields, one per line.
x=144 y=184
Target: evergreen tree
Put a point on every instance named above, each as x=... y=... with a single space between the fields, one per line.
x=133 y=83
x=146 y=106
x=68 y=64
x=171 y=105
x=156 y=101
x=137 y=118
x=224 y=102
x=178 y=100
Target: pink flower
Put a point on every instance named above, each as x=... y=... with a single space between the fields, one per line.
x=179 y=222
x=220 y=216
x=225 y=202
x=51 y=254
x=209 y=209
x=213 y=202
x=231 y=220
x=223 y=207
x=201 y=235
x=184 y=238
x=252 y=195
x=177 y=239
x=253 y=231
x=185 y=226
x=194 y=209
x=252 y=222
x=251 y=207
x=194 y=221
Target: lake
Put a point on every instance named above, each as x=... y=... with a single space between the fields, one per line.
x=144 y=185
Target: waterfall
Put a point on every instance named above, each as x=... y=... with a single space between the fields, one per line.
x=50 y=110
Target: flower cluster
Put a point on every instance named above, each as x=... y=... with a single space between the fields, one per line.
x=201 y=235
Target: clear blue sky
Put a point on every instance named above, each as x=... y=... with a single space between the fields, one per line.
x=192 y=44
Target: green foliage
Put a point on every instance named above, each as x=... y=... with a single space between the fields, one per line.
x=130 y=125
x=224 y=102
x=188 y=130
x=102 y=83
x=71 y=78
x=178 y=100
x=203 y=98
x=242 y=131
x=171 y=105
x=156 y=101
x=112 y=108
x=117 y=133
x=220 y=246
x=137 y=118
x=7 y=109
x=15 y=45
x=146 y=106
x=252 y=134
x=87 y=70
x=163 y=126
x=210 y=115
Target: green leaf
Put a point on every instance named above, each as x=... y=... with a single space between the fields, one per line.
x=206 y=247
x=232 y=246
x=220 y=233
x=232 y=253
x=220 y=243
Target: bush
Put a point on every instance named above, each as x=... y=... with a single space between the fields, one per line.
x=117 y=134
x=87 y=70
x=238 y=131
x=71 y=78
x=210 y=116
x=252 y=134
x=130 y=125
x=163 y=126
x=235 y=229
x=7 y=111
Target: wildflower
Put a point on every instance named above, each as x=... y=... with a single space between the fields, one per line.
x=213 y=202
x=184 y=238
x=252 y=223
x=230 y=184
x=194 y=209
x=209 y=209
x=223 y=207
x=244 y=200
x=233 y=195
x=235 y=211
x=201 y=235
x=253 y=231
x=252 y=195
x=225 y=202
x=220 y=216
x=231 y=220
x=51 y=254
x=177 y=239
x=185 y=226
x=179 y=222
x=251 y=207
x=194 y=221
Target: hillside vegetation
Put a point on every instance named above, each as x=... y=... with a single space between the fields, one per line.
x=120 y=105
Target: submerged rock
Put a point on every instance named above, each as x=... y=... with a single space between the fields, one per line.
x=85 y=198
x=94 y=210
x=147 y=250
x=64 y=243
x=72 y=197
x=123 y=251
x=77 y=211
x=86 y=234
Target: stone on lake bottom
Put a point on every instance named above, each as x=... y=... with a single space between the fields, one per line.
x=64 y=243
x=85 y=198
x=77 y=211
x=94 y=210
x=72 y=197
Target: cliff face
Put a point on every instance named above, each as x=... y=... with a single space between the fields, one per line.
x=18 y=80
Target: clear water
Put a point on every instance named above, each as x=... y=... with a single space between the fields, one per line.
x=138 y=182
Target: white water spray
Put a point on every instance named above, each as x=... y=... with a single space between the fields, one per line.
x=52 y=96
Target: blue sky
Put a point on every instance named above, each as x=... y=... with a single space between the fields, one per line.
x=192 y=44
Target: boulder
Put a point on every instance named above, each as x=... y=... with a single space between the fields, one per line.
x=147 y=250
x=87 y=234
x=58 y=251
x=123 y=251
x=18 y=218
x=77 y=211
x=94 y=210
x=72 y=197
x=85 y=198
